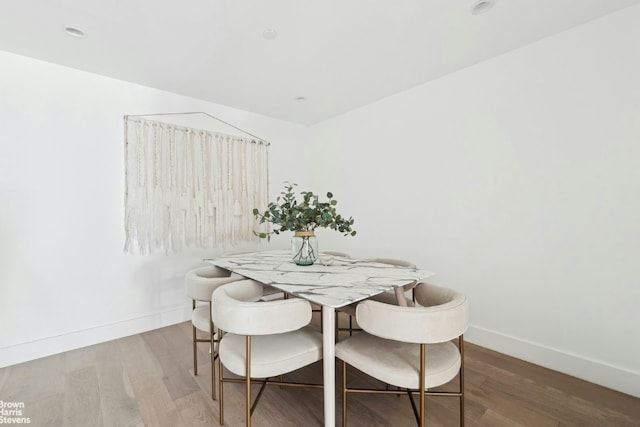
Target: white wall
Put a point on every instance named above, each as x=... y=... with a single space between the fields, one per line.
x=64 y=279
x=517 y=182
x=514 y=180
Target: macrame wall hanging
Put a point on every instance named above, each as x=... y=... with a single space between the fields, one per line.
x=189 y=187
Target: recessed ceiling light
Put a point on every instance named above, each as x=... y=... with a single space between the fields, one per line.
x=269 y=34
x=481 y=6
x=75 y=32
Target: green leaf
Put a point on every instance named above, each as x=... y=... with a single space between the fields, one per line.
x=308 y=213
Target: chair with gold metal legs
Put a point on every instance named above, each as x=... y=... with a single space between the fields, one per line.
x=261 y=339
x=199 y=284
x=409 y=347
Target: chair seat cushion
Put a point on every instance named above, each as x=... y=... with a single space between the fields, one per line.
x=200 y=317
x=272 y=355
x=398 y=363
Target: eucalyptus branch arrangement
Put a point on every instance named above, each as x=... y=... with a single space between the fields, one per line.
x=307 y=214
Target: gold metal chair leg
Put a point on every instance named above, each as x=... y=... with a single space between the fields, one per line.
x=422 y=385
x=248 y=383
x=220 y=387
x=344 y=394
x=461 y=347
x=213 y=356
x=213 y=373
x=195 y=352
x=195 y=347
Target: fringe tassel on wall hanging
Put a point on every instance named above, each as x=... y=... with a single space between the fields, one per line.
x=190 y=188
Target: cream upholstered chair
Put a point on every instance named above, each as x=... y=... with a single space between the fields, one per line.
x=410 y=347
x=261 y=339
x=199 y=284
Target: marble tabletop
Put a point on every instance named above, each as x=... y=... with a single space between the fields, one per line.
x=332 y=281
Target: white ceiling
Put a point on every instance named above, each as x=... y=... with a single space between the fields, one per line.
x=338 y=54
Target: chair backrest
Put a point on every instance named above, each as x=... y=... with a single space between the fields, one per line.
x=442 y=314
x=235 y=309
x=200 y=283
x=393 y=261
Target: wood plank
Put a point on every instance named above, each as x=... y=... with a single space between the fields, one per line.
x=117 y=398
x=156 y=406
x=597 y=395
x=197 y=409
x=82 y=405
x=525 y=394
x=35 y=380
x=174 y=353
x=46 y=412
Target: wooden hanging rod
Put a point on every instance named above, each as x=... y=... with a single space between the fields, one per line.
x=200 y=112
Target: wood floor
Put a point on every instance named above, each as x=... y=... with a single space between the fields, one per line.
x=147 y=379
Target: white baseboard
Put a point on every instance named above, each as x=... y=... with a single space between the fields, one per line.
x=598 y=372
x=23 y=352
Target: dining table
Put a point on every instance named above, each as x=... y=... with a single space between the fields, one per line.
x=331 y=282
